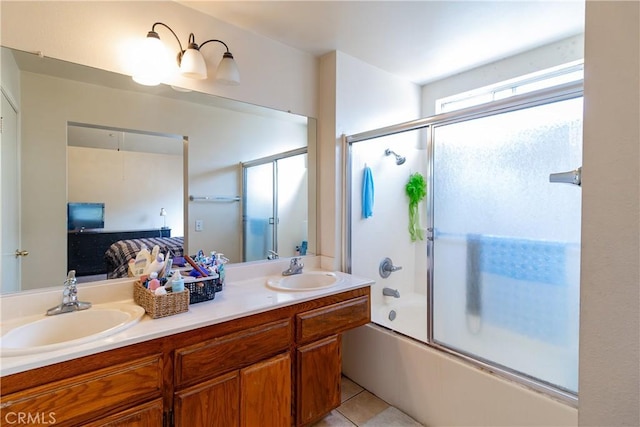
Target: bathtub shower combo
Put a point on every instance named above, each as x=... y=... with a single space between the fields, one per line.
x=496 y=278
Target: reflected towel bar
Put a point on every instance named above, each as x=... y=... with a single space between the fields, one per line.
x=220 y=199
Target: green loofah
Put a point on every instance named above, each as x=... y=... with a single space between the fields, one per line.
x=416 y=189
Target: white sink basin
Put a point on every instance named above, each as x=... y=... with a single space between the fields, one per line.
x=47 y=333
x=307 y=281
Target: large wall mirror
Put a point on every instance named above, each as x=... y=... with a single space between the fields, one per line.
x=134 y=163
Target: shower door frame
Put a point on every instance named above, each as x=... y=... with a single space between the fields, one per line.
x=519 y=102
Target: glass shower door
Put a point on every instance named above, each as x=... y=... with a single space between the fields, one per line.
x=258 y=219
x=275 y=206
x=515 y=300
x=292 y=189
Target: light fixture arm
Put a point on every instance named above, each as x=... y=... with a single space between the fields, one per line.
x=214 y=40
x=153 y=33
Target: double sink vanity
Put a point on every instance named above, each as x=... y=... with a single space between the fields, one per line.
x=265 y=352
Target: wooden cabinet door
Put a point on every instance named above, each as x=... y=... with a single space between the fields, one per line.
x=213 y=403
x=145 y=415
x=265 y=396
x=318 y=370
x=79 y=399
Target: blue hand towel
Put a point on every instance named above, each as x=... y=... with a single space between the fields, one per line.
x=367 y=193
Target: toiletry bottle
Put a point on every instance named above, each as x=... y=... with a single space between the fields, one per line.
x=154 y=283
x=141 y=262
x=177 y=282
x=166 y=270
x=131 y=271
x=157 y=264
x=221 y=260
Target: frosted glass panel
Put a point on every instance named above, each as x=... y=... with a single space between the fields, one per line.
x=258 y=220
x=507 y=242
x=292 y=204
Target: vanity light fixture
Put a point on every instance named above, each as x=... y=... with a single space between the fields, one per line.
x=153 y=63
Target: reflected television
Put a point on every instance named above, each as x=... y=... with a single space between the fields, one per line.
x=85 y=216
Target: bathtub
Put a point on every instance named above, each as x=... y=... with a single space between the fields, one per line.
x=438 y=389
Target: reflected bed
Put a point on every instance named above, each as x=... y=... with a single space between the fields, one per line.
x=118 y=255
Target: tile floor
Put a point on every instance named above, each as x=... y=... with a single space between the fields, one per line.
x=361 y=408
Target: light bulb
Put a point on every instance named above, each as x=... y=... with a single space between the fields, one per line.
x=228 y=72
x=152 y=63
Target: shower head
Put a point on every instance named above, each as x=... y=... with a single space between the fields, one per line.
x=399 y=159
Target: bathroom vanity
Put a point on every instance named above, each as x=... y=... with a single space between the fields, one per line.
x=233 y=361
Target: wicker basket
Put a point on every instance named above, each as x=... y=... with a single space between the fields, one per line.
x=160 y=305
x=202 y=289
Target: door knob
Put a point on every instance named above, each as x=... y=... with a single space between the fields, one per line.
x=21 y=253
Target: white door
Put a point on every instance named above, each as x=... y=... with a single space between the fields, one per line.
x=10 y=212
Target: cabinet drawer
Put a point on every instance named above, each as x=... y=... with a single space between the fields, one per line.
x=145 y=415
x=87 y=396
x=234 y=351
x=333 y=319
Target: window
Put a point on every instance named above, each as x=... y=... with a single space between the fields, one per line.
x=566 y=73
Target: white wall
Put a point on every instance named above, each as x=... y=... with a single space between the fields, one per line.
x=356 y=108
x=134 y=186
x=103 y=34
x=610 y=287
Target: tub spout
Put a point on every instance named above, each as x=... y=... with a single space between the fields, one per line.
x=390 y=292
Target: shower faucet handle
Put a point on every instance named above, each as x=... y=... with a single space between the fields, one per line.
x=387 y=267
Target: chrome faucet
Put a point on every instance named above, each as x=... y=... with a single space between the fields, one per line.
x=295 y=267
x=272 y=255
x=69 y=297
x=390 y=292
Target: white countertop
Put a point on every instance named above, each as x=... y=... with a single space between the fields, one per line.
x=245 y=294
